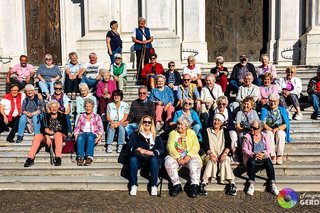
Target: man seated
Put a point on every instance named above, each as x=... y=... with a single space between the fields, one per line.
x=188 y=90
x=24 y=72
x=90 y=72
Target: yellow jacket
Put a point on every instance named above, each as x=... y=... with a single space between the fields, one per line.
x=193 y=145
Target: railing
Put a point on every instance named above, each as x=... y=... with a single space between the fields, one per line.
x=192 y=51
x=5 y=60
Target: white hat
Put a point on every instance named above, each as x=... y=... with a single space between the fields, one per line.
x=219 y=116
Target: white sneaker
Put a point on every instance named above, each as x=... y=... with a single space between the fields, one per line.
x=274 y=190
x=298 y=116
x=289 y=114
x=119 y=149
x=109 y=149
x=154 y=190
x=250 y=189
x=133 y=191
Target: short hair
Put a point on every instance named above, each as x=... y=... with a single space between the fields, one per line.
x=143 y=87
x=153 y=54
x=260 y=124
x=210 y=75
x=23 y=56
x=189 y=100
x=249 y=99
x=29 y=87
x=185 y=75
x=220 y=59
x=184 y=120
x=48 y=56
x=275 y=96
x=104 y=71
x=117 y=93
x=223 y=98
x=72 y=54
x=58 y=83
x=50 y=103
x=264 y=55
x=268 y=75
x=292 y=69
x=141 y=19
x=249 y=74
x=83 y=86
x=191 y=57
x=117 y=55
x=112 y=23
x=161 y=76
x=93 y=54
x=171 y=62
x=88 y=101
x=13 y=85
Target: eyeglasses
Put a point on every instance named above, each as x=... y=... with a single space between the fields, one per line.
x=153 y=58
x=14 y=90
x=254 y=128
x=222 y=104
x=186 y=79
x=48 y=59
x=147 y=122
x=57 y=88
x=188 y=103
x=117 y=58
x=142 y=93
x=171 y=65
x=289 y=72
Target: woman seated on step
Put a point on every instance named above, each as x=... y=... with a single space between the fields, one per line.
x=146 y=148
x=183 y=147
x=32 y=107
x=256 y=150
x=117 y=116
x=87 y=133
x=217 y=146
x=53 y=128
x=277 y=125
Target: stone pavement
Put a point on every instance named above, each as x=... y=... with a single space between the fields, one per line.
x=119 y=201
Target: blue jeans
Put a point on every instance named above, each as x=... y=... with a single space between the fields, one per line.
x=91 y=82
x=45 y=86
x=118 y=50
x=130 y=128
x=23 y=123
x=233 y=84
x=121 y=135
x=315 y=101
x=86 y=139
x=135 y=164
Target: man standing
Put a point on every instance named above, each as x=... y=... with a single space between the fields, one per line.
x=139 y=108
x=24 y=72
x=314 y=94
x=142 y=38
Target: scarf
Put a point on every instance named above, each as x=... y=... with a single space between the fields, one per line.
x=12 y=106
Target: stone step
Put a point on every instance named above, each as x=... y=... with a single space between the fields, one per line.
x=117 y=169
x=305 y=183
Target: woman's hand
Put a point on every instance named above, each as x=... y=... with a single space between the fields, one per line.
x=260 y=155
x=181 y=162
x=223 y=157
x=5 y=120
x=98 y=139
x=213 y=158
x=186 y=159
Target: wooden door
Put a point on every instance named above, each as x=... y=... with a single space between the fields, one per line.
x=234 y=27
x=43 y=30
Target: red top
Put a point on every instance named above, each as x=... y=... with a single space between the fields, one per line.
x=147 y=70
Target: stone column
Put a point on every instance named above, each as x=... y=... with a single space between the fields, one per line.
x=272 y=30
x=287 y=31
x=310 y=41
x=193 y=32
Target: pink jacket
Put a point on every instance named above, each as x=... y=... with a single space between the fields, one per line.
x=100 y=87
x=264 y=92
x=247 y=146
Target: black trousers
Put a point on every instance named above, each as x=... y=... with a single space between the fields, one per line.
x=13 y=124
x=252 y=165
x=145 y=60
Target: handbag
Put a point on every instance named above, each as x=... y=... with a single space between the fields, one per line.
x=142 y=156
x=69 y=147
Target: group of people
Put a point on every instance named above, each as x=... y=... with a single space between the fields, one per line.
x=211 y=124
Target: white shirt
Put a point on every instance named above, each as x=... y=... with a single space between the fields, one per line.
x=87 y=127
x=7 y=105
x=193 y=73
x=92 y=70
x=143 y=37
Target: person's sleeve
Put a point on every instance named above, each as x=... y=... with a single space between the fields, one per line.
x=95 y=108
x=158 y=149
x=195 y=146
x=171 y=98
x=205 y=141
x=246 y=150
x=131 y=113
x=196 y=93
x=151 y=97
x=170 y=146
x=175 y=117
x=263 y=115
x=124 y=73
x=100 y=89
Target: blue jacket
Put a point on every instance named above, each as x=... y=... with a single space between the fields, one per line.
x=194 y=116
x=165 y=96
x=285 y=117
x=139 y=36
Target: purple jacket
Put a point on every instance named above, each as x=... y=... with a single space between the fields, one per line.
x=100 y=87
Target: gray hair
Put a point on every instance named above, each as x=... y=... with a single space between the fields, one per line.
x=58 y=83
x=220 y=59
x=93 y=54
x=48 y=56
x=185 y=121
x=188 y=99
x=249 y=74
x=274 y=96
x=50 y=103
x=161 y=76
x=117 y=55
x=143 y=87
x=210 y=75
x=104 y=71
x=88 y=101
x=29 y=87
x=223 y=98
x=259 y=122
x=141 y=19
x=83 y=86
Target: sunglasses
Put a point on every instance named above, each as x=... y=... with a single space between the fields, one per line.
x=222 y=104
x=48 y=59
x=147 y=122
x=152 y=58
x=186 y=79
x=254 y=128
x=171 y=65
x=188 y=103
x=289 y=72
x=57 y=88
x=117 y=58
x=142 y=93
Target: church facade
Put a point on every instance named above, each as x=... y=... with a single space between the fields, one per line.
x=287 y=30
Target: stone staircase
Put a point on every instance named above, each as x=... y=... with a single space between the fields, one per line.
x=300 y=170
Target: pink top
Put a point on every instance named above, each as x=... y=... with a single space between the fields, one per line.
x=269 y=68
x=100 y=87
x=22 y=72
x=247 y=146
x=266 y=91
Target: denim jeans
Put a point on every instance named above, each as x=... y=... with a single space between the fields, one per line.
x=86 y=139
x=233 y=84
x=121 y=135
x=135 y=164
x=118 y=50
x=23 y=123
x=130 y=128
x=196 y=128
x=91 y=82
x=251 y=167
x=45 y=86
x=315 y=101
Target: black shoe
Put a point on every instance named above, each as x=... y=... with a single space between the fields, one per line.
x=202 y=189
x=232 y=190
x=57 y=161
x=10 y=139
x=29 y=162
x=19 y=139
x=194 y=190
x=80 y=161
x=177 y=189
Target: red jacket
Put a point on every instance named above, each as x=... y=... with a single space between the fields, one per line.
x=147 y=70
